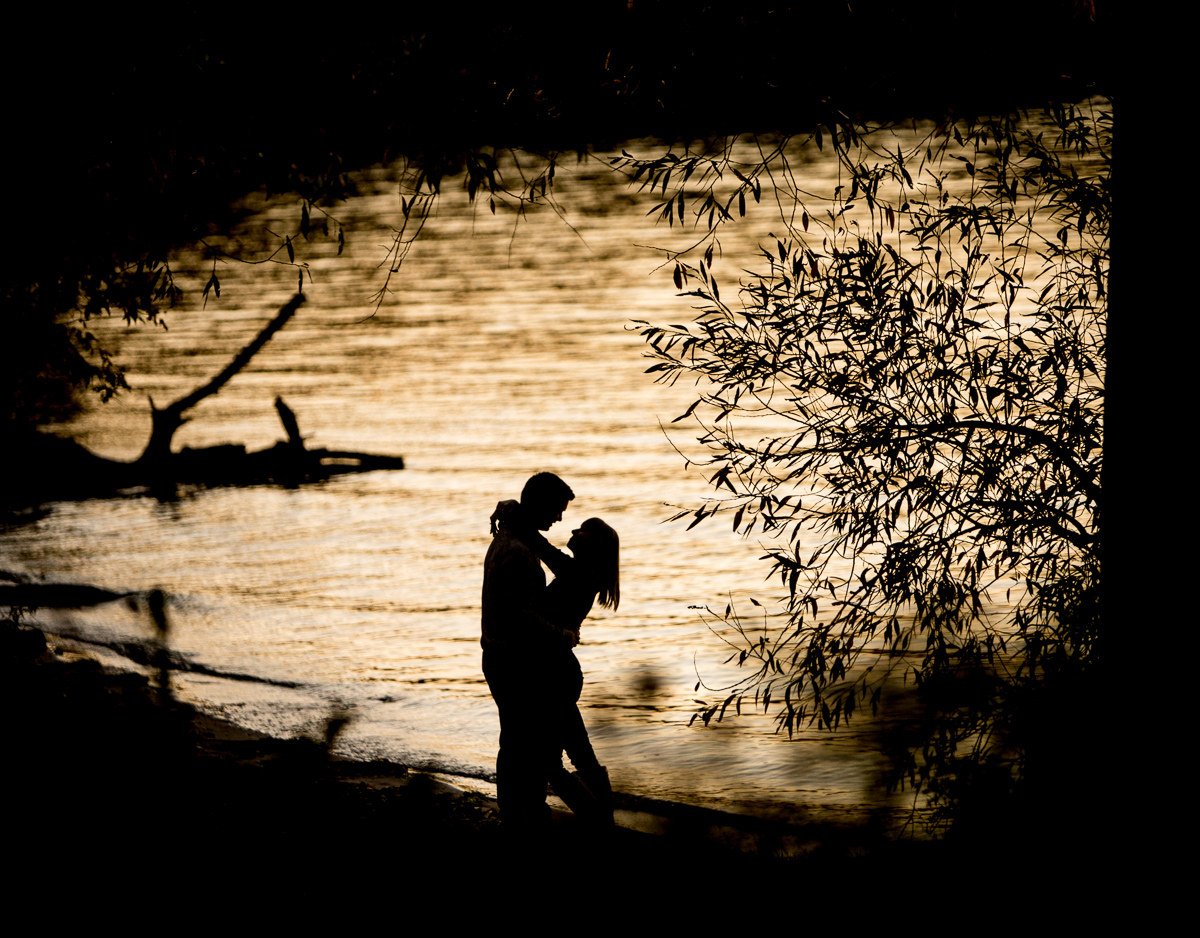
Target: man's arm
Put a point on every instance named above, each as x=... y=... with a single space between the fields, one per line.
x=518 y=582
x=508 y=512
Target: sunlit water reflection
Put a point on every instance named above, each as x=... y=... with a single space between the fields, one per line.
x=505 y=350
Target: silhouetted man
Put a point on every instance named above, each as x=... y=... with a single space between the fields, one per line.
x=518 y=645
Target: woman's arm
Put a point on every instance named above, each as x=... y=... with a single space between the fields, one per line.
x=559 y=562
x=508 y=512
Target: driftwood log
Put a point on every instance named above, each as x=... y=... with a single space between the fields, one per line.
x=44 y=467
x=166 y=421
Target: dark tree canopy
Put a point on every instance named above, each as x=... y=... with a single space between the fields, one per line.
x=133 y=135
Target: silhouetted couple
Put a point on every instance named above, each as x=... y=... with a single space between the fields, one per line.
x=529 y=629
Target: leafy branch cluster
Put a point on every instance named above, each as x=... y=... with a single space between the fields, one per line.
x=324 y=224
x=483 y=174
x=925 y=350
x=713 y=207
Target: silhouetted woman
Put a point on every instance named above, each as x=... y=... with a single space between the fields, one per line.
x=593 y=572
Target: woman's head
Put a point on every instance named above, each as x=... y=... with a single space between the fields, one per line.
x=595 y=544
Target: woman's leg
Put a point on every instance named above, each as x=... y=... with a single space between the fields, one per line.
x=595 y=799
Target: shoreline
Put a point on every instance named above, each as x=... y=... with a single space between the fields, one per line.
x=112 y=784
x=777 y=833
x=96 y=749
x=798 y=826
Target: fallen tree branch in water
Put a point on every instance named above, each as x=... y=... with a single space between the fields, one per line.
x=167 y=420
x=53 y=468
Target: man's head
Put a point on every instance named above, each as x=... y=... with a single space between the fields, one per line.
x=544 y=499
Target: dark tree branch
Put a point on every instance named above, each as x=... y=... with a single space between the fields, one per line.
x=288 y=417
x=170 y=418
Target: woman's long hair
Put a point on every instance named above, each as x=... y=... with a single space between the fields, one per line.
x=603 y=557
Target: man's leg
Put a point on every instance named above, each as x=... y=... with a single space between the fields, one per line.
x=527 y=754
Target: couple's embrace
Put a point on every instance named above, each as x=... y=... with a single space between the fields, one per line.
x=529 y=631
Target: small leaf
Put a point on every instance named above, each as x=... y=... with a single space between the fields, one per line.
x=290 y=250
x=688 y=412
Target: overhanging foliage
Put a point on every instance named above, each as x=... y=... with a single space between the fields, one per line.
x=927 y=347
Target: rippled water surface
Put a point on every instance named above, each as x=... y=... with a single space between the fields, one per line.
x=505 y=349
